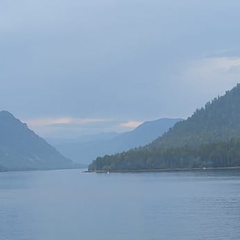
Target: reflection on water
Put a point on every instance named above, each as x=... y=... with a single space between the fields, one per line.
x=49 y=205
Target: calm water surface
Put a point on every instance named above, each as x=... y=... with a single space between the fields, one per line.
x=69 y=205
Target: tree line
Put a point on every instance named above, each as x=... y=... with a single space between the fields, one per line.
x=211 y=155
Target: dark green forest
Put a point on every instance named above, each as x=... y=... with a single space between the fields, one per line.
x=209 y=138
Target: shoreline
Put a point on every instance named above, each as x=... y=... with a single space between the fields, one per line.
x=165 y=170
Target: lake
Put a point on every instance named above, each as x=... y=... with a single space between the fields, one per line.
x=72 y=205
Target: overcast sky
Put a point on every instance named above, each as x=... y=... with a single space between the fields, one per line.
x=73 y=67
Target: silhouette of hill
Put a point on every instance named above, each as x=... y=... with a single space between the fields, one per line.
x=22 y=149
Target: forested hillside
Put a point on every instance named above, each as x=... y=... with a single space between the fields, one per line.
x=218 y=120
x=209 y=138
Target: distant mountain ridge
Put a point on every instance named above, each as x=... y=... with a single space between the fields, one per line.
x=22 y=149
x=209 y=138
x=86 y=152
x=146 y=133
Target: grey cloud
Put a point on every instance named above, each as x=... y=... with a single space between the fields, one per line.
x=107 y=58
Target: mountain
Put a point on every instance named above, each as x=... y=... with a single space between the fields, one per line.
x=110 y=143
x=209 y=138
x=22 y=149
x=144 y=134
x=218 y=120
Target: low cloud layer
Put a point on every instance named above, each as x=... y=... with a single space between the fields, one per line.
x=67 y=127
